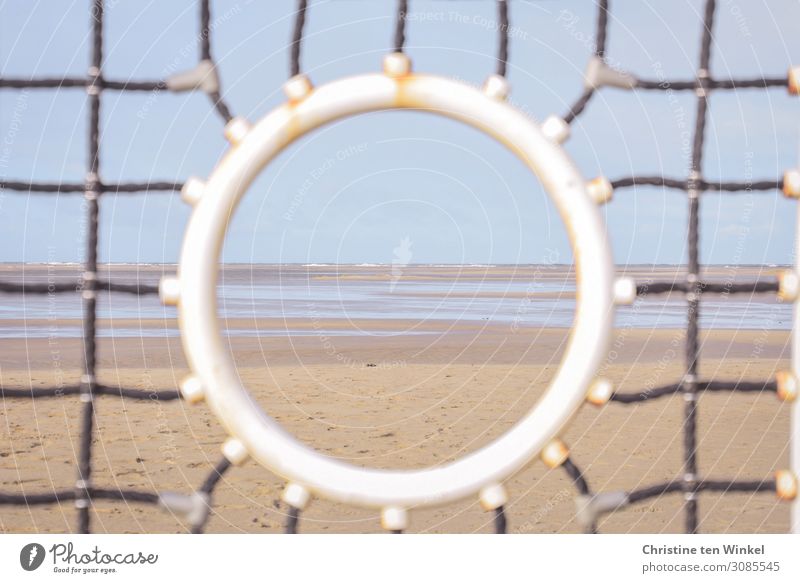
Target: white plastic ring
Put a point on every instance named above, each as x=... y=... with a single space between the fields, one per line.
x=266 y=441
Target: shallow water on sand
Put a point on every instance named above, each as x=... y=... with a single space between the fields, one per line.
x=532 y=295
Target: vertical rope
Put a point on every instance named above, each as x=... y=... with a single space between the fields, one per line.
x=689 y=384
x=400 y=26
x=205 y=30
x=500 y=522
x=292 y=519
x=602 y=29
x=502 y=49
x=89 y=298
x=205 y=54
x=297 y=38
x=708 y=25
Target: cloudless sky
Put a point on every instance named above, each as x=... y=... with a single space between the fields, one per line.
x=354 y=191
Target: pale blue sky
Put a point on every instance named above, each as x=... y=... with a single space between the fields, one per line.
x=353 y=191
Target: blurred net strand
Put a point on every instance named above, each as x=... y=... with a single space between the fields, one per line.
x=194 y=507
x=704 y=185
x=708 y=386
x=749 y=287
x=297 y=38
x=503 y=31
x=127 y=393
x=139 y=289
x=590 y=506
x=400 y=26
x=79 y=83
x=79 y=188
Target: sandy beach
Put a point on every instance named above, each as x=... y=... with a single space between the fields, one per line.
x=426 y=392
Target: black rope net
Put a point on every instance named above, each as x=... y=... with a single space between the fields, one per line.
x=195 y=506
x=592 y=506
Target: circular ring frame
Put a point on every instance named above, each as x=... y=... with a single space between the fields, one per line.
x=264 y=439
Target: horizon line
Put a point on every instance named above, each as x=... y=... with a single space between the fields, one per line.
x=374 y=264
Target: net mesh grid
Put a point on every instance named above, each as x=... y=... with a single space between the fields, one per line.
x=196 y=506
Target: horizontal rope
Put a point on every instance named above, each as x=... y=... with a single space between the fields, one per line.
x=742 y=186
x=749 y=287
x=702 y=486
x=739 y=386
x=683 y=85
x=124 y=495
x=38 y=392
x=129 y=187
x=645 y=395
x=38 y=288
x=711 y=386
x=680 y=184
x=703 y=185
x=138 y=289
x=767 y=485
x=141 y=394
x=659 y=287
x=740 y=288
x=36 y=499
x=81 y=83
x=43 y=83
x=133 y=85
x=68 y=495
x=63 y=188
x=128 y=393
x=80 y=187
x=162 y=186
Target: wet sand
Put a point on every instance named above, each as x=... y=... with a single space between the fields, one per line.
x=402 y=401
